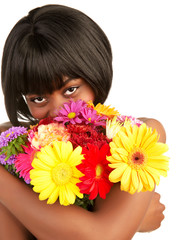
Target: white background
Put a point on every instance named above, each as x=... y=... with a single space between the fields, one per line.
x=147 y=39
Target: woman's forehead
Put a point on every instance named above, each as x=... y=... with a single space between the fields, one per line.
x=43 y=87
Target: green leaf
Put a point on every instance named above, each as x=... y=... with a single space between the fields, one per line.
x=13 y=150
x=22 y=139
x=8 y=156
x=18 y=147
x=8 y=152
x=85 y=202
x=3 y=150
x=6 y=166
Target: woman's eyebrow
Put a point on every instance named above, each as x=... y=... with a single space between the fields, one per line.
x=69 y=80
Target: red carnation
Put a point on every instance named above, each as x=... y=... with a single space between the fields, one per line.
x=81 y=135
x=44 y=121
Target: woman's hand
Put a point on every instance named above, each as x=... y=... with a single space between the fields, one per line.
x=154 y=215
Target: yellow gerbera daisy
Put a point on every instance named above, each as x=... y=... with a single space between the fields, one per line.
x=55 y=173
x=104 y=110
x=137 y=158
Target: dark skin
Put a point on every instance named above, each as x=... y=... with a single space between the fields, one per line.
x=147 y=217
x=143 y=210
x=18 y=231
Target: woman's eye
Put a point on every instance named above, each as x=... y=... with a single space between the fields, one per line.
x=38 y=100
x=70 y=91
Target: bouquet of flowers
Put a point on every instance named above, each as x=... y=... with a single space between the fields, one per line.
x=82 y=151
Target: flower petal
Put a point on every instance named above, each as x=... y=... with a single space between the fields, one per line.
x=116 y=175
x=76 y=156
x=53 y=196
x=47 y=191
x=126 y=179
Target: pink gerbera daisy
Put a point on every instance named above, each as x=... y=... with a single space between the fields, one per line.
x=71 y=112
x=23 y=162
x=91 y=117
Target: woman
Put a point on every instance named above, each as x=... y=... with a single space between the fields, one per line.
x=53 y=55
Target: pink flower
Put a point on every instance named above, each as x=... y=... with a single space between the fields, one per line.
x=23 y=162
x=71 y=112
x=133 y=120
x=91 y=117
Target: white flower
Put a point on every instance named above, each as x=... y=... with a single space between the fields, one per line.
x=112 y=127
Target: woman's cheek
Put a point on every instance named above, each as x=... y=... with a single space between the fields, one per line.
x=38 y=113
x=88 y=95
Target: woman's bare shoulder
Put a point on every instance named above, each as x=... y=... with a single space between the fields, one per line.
x=155 y=124
x=5 y=126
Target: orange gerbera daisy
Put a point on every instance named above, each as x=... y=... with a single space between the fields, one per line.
x=104 y=110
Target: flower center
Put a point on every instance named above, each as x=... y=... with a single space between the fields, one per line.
x=9 y=134
x=137 y=158
x=71 y=115
x=99 y=170
x=62 y=174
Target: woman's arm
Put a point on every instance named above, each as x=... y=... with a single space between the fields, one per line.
x=72 y=222
x=117 y=217
x=154 y=216
x=11 y=228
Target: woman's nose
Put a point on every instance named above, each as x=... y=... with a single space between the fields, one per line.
x=56 y=102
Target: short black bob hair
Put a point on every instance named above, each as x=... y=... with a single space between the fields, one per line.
x=51 y=42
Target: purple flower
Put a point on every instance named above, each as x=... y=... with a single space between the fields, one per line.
x=9 y=161
x=10 y=135
x=71 y=112
x=27 y=181
x=2 y=159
